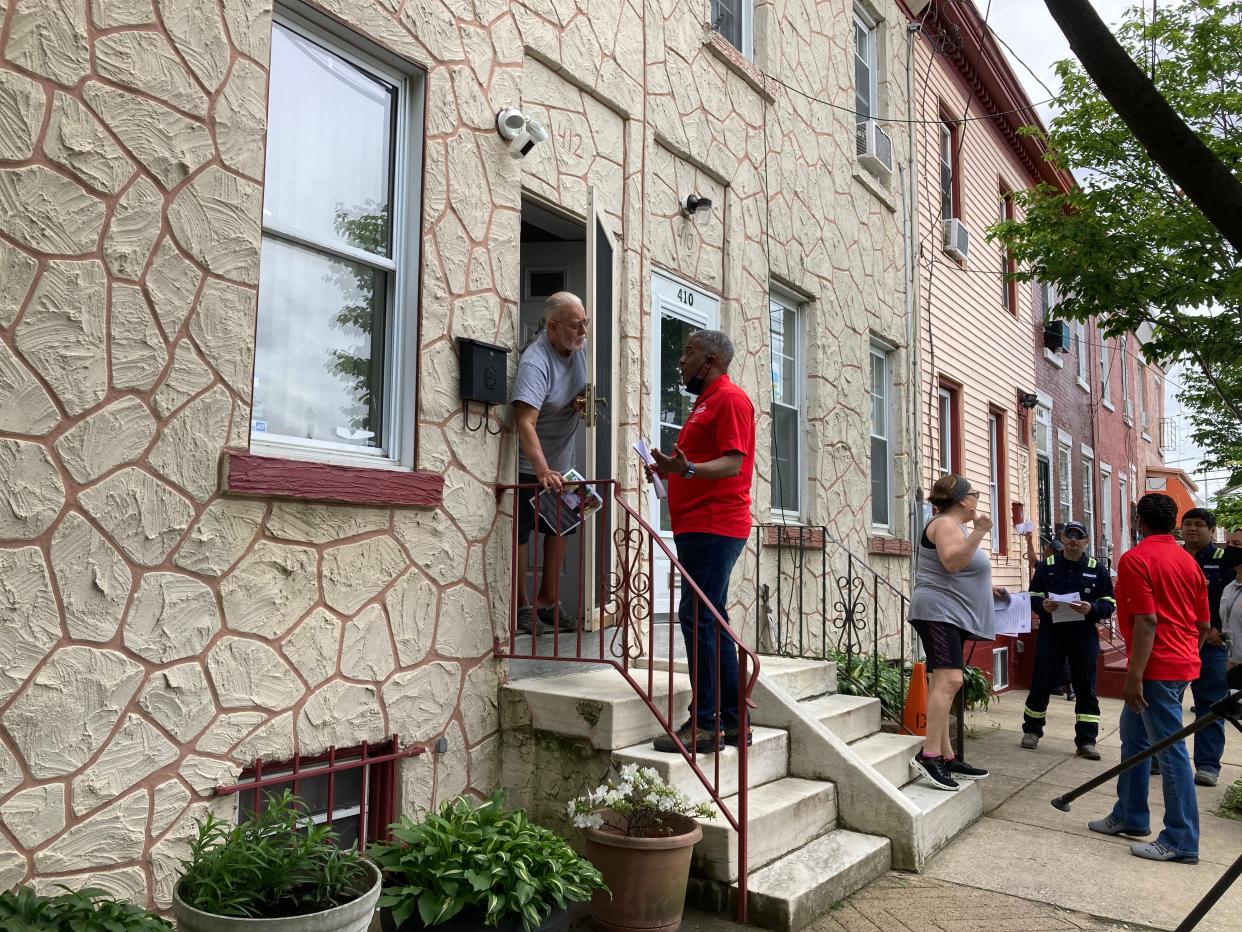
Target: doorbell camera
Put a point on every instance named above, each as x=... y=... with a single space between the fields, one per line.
x=522 y=134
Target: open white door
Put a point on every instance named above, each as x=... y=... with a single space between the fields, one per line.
x=601 y=308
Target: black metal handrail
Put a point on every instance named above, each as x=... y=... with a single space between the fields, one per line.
x=821 y=601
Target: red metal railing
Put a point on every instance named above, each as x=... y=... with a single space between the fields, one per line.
x=627 y=588
x=377 y=789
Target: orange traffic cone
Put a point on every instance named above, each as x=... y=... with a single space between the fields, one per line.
x=914 y=715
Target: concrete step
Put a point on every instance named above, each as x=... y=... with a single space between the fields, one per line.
x=848 y=717
x=797 y=889
x=802 y=679
x=944 y=815
x=599 y=706
x=890 y=754
x=782 y=816
x=767 y=760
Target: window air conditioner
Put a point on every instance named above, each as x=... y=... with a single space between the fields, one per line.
x=1057 y=336
x=875 y=148
x=956 y=239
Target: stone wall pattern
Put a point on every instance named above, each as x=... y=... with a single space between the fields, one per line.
x=180 y=634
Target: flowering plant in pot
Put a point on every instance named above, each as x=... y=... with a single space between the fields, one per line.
x=640 y=833
x=275 y=872
x=471 y=865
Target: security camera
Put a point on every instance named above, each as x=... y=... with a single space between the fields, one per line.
x=692 y=204
x=521 y=133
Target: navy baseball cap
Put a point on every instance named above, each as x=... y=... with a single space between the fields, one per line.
x=1076 y=526
x=1232 y=558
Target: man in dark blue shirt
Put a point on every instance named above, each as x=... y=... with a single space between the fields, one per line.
x=1199 y=540
x=1068 y=630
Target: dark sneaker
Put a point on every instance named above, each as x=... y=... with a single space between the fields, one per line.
x=730 y=736
x=960 y=770
x=564 y=619
x=932 y=769
x=700 y=740
x=1158 y=851
x=1206 y=777
x=525 y=619
x=1110 y=826
x=1030 y=741
x=1069 y=695
x=1089 y=752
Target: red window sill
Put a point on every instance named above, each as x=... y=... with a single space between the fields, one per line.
x=891 y=546
x=247 y=474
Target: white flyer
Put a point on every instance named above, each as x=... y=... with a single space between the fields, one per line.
x=1063 y=611
x=644 y=454
x=1013 y=615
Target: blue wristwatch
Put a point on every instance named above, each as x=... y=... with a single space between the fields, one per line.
x=689 y=473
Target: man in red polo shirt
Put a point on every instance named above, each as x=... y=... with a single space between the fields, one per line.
x=709 y=474
x=1162 y=607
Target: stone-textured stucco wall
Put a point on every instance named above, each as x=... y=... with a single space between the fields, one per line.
x=155 y=635
x=191 y=633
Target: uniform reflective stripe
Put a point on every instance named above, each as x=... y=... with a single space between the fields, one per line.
x=1218 y=553
x=1033 y=592
x=1108 y=598
x=1028 y=711
x=1091 y=563
x=1051 y=560
x=1088 y=718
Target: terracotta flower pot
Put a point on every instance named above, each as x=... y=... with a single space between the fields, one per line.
x=646 y=877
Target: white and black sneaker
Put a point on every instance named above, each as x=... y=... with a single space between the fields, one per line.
x=958 y=769
x=935 y=772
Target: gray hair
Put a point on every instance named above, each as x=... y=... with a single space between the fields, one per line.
x=715 y=343
x=561 y=301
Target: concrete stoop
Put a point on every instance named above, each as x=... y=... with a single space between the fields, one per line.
x=831 y=802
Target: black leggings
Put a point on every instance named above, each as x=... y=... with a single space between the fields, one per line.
x=942 y=644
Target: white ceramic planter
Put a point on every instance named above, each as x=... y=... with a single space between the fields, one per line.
x=354 y=916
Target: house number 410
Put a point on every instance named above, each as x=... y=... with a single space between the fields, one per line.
x=685 y=297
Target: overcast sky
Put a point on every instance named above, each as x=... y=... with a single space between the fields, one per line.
x=1027 y=27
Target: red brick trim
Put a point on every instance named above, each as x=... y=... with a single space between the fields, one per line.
x=890 y=546
x=247 y=474
x=812 y=538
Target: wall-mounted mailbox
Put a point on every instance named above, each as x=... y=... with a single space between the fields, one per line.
x=484 y=369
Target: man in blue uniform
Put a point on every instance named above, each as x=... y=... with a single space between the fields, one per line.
x=1070 y=634
x=1199 y=540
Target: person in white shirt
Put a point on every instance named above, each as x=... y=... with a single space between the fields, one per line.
x=1231 y=605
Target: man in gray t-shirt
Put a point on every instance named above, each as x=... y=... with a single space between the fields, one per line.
x=547 y=400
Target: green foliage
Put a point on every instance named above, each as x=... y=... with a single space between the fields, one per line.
x=88 y=910
x=1126 y=247
x=278 y=863
x=482 y=858
x=1228 y=510
x=856 y=676
x=1231 y=802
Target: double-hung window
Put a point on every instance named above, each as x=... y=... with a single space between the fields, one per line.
x=733 y=19
x=787 y=390
x=865 y=68
x=1009 y=287
x=1080 y=352
x=997 y=467
x=947 y=448
x=948 y=174
x=1106 y=372
x=1088 y=494
x=1065 y=486
x=881 y=437
x=1144 y=417
x=336 y=335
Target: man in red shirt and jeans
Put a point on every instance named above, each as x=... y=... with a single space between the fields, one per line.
x=1162 y=607
x=709 y=474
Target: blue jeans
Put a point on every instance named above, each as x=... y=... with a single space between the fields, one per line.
x=1208 y=689
x=1181 y=810
x=708 y=559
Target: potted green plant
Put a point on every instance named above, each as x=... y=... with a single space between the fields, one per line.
x=640 y=833
x=467 y=866
x=87 y=910
x=275 y=872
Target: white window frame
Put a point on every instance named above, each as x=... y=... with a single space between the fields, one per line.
x=1080 y=354
x=944 y=412
x=1123 y=495
x=884 y=353
x=398 y=415
x=1065 y=483
x=787 y=302
x=1106 y=375
x=870 y=28
x=1088 y=492
x=1000 y=668
x=996 y=443
x=1106 y=545
x=1144 y=416
x=1043 y=419
x=948 y=139
x=746 y=28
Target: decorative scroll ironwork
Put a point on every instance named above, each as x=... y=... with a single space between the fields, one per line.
x=629 y=587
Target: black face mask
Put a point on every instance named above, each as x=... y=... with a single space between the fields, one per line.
x=694 y=384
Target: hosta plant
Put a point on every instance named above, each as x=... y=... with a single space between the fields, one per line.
x=87 y=910
x=277 y=863
x=479 y=859
x=637 y=803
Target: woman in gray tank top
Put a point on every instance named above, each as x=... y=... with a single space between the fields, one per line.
x=951 y=604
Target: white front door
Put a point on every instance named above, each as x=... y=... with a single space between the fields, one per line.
x=677 y=310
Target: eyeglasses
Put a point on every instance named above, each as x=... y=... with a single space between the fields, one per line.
x=971 y=494
x=580 y=325
x=1074 y=535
